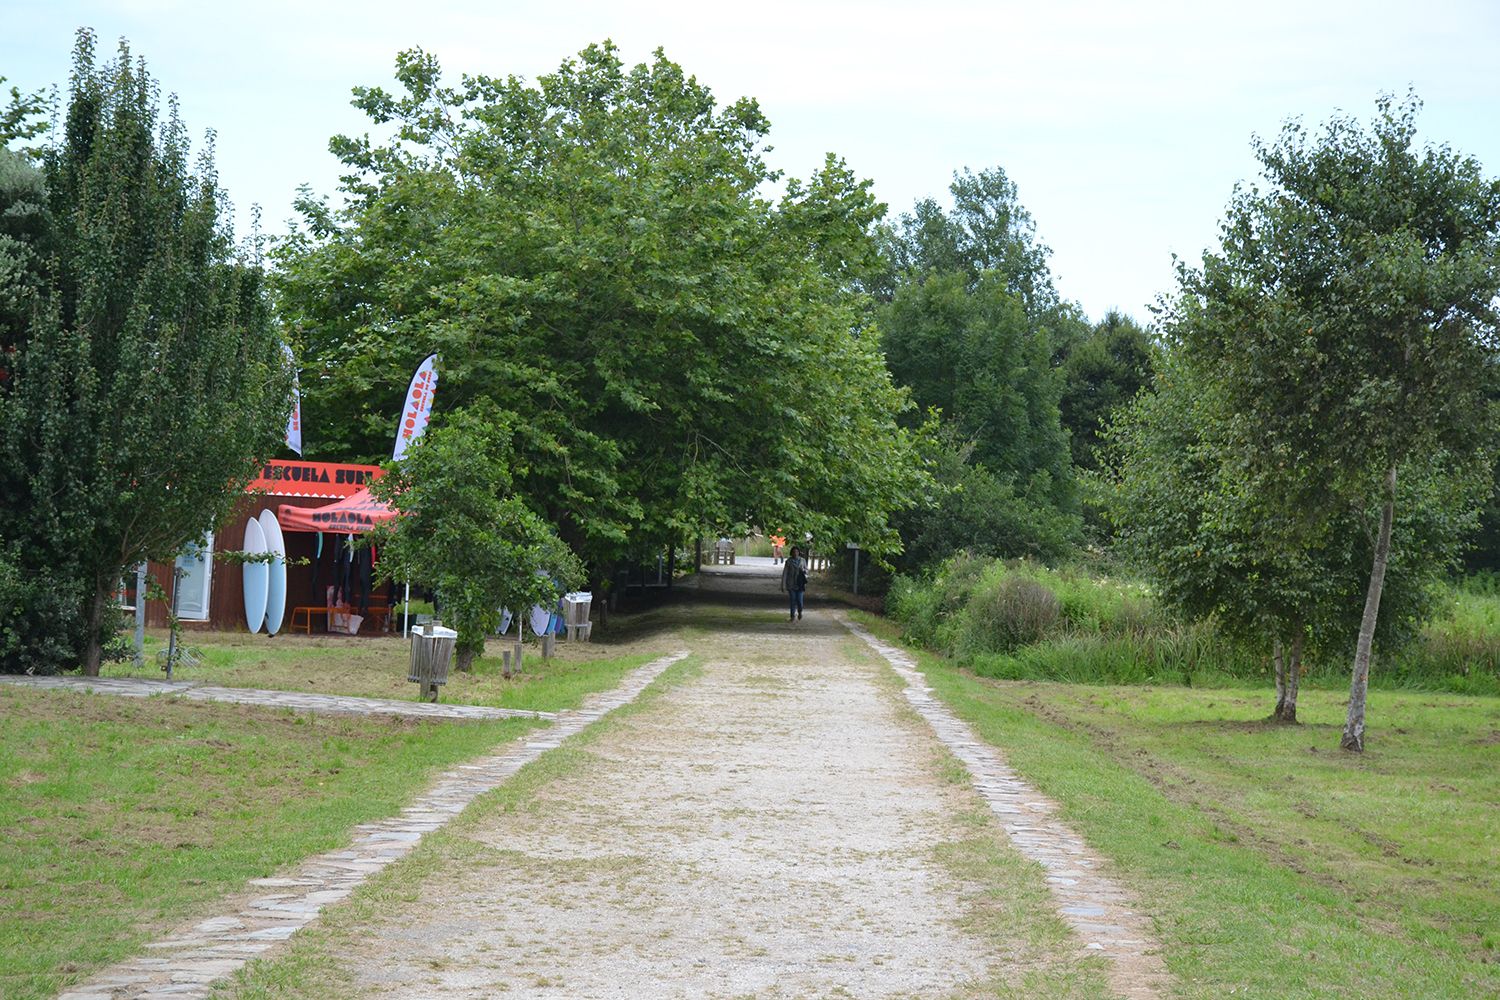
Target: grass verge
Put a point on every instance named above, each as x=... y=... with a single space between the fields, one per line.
x=123 y=818
x=376 y=667
x=1273 y=864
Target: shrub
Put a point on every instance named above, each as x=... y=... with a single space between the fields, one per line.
x=1018 y=620
x=1009 y=613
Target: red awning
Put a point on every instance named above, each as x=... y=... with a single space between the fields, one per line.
x=353 y=516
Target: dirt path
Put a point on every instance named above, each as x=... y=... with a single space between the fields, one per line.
x=780 y=825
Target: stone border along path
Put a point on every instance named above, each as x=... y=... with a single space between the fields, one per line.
x=187 y=964
x=1097 y=909
x=297 y=701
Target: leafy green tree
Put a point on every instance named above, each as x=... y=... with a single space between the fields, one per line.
x=1102 y=371
x=148 y=377
x=971 y=325
x=1351 y=316
x=1192 y=516
x=592 y=255
x=464 y=533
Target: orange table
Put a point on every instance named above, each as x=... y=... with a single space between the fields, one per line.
x=378 y=613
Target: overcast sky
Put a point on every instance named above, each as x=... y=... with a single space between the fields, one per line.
x=1125 y=125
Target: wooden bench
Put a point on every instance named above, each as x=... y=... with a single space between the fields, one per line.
x=377 y=615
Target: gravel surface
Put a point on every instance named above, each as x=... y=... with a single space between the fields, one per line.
x=765 y=829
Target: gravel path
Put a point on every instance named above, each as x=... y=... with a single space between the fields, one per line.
x=1101 y=913
x=771 y=828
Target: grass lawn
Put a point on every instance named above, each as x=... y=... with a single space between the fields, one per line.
x=375 y=667
x=1274 y=864
x=123 y=818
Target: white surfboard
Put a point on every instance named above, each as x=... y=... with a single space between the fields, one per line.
x=276 y=592
x=257 y=577
x=540 y=618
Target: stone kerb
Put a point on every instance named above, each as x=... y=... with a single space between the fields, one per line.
x=1098 y=910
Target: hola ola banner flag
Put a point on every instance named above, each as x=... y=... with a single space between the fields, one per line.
x=294 y=421
x=418 y=408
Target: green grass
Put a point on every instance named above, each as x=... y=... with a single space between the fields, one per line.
x=1274 y=864
x=376 y=667
x=123 y=818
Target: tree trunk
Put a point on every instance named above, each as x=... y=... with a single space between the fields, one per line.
x=1279 y=668
x=93 y=651
x=464 y=653
x=601 y=601
x=1354 y=722
x=1286 y=711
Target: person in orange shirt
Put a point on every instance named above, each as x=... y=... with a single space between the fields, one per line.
x=777 y=543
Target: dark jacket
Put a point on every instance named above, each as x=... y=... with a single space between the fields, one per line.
x=793 y=572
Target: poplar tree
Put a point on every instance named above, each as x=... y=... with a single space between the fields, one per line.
x=148 y=380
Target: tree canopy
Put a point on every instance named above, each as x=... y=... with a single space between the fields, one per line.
x=592 y=255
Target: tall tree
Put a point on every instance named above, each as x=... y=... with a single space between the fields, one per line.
x=592 y=255
x=148 y=379
x=971 y=325
x=1352 y=317
x=1191 y=515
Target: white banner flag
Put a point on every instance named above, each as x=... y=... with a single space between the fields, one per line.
x=418 y=407
x=294 y=422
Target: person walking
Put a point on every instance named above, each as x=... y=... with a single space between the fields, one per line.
x=778 y=546
x=794 y=581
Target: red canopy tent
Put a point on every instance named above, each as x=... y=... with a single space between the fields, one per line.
x=353 y=515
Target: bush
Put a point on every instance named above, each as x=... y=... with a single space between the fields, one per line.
x=41 y=628
x=1011 y=612
x=1018 y=620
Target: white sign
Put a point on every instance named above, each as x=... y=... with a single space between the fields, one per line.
x=418 y=408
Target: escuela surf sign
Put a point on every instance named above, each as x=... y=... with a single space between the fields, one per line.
x=332 y=480
x=418 y=409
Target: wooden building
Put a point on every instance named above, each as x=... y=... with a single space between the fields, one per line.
x=212 y=592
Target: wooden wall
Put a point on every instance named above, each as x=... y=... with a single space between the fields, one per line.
x=226 y=607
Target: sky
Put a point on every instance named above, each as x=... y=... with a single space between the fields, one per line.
x=1124 y=125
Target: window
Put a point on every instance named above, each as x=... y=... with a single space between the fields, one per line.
x=196 y=565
